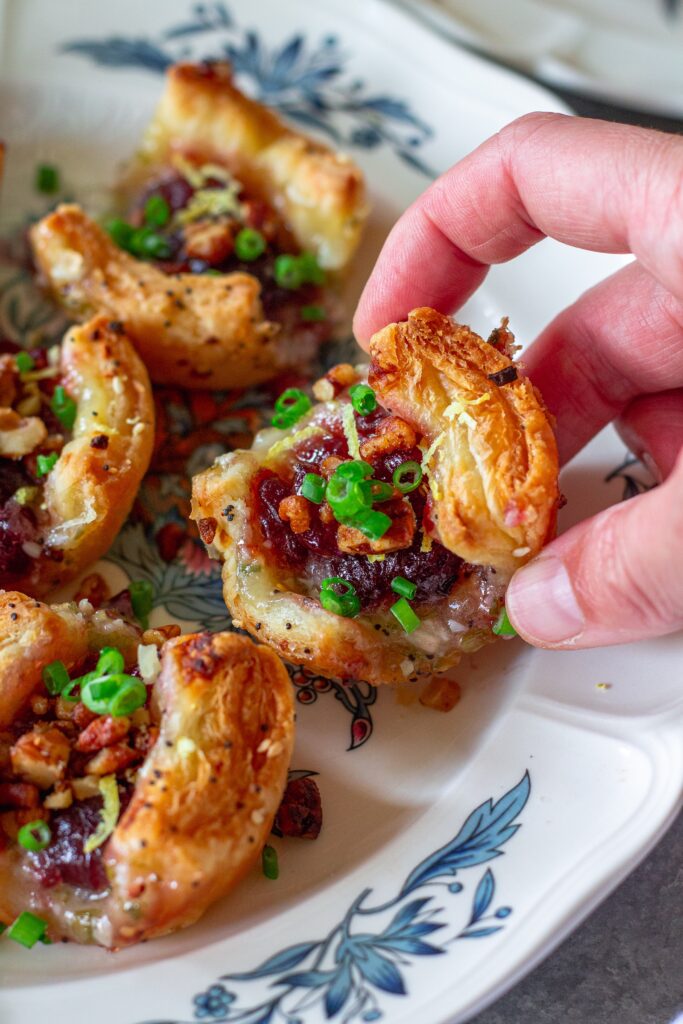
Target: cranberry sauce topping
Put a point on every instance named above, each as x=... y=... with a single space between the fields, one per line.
x=208 y=244
x=64 y=860
x=17 y=529
x=316 y=550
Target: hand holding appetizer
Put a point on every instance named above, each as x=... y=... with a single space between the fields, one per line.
x=372 y=536
x=76 y=435
x=139 y=775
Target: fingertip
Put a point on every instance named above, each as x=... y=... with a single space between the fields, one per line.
x=542 y=606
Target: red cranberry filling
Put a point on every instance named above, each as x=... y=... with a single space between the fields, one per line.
x=316 y=550
x=64 y=860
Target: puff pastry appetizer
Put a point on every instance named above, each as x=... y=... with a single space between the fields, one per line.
x=236 y=224
x=76 y=435
x=373 y=537
x=131 y=802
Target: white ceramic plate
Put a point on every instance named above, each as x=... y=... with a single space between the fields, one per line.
x=457 y=849
x=622 y=51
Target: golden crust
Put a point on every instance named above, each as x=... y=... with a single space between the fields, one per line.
x=320 y=193
x=31 y=633
x=191 y=330
x=264 y=601
x=207 y=794
x=90 y=491
x=494 y=469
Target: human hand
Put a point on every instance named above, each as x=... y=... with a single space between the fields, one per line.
x=615 y=354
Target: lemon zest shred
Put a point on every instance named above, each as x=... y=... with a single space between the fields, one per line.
x=111 y=809
x=289 y=442
x=351 y=431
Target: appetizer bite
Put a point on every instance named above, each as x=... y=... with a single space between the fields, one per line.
x=76 y=435
x=139 y=774
x=372 y=536
x=236 y=227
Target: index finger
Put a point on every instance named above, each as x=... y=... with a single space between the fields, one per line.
x=592 y=184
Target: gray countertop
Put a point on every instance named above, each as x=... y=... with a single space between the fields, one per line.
x=624 y=965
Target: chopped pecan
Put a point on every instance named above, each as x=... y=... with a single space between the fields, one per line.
x=104 y=731
x=145 y=738
x=60 y=798
x=19 y=794
x=112 y=760
x=85 y=787
x=398 y=537
x=300 y=814
x=296 y=511
x=441 y=694
x=207 y=529
x=40 y=705
x=93 y=588
x=393 y=434
x=326 y=514
x=20 y=436
x=160 y=634
x=212 y=241
x=41 y=757
x=329 y=464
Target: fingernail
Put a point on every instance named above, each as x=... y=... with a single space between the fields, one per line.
x=541 y=603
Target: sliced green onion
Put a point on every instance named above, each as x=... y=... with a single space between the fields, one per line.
x=110 y=661
x=372 y=523
x=346 y=603
x=45 y=463
x=313 y=488
x=110 y=814
x=407 y=477
x=249 y=245
x=355 y=470
x=55 y=677
x=63 y=407
x=157 y=211
x=348 y=498
x=288 y=272
x=142 y=599
x=35 y=836
x=502 y=626
x=400 y=585
x=310 y=270
x=290 y=407
x=148 y=244
x=27 y=929
x=363 y=399
x=405 y=615
x=381 y=491
x=98 y=692
x=271 y=868
x=47 y=179
x=120 y=232
x=130 y=696
x=212 y=272
x=25 y=362
x=313 y=313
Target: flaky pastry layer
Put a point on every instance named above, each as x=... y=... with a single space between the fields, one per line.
x=206 y=796
x=90 y=490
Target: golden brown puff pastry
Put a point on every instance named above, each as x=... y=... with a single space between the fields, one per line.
x=319 y=193
x=485 y=504
x=194 y=330
x=200 y=772
x=228 y=277
x=493 y=472
x=67 y=486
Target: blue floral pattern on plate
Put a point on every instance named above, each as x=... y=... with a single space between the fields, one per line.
x=306 y=81
x=363 y=958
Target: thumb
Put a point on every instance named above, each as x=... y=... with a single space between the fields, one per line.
x=615 y=578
